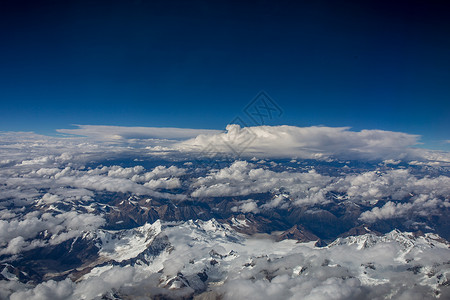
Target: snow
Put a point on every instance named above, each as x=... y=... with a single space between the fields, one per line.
x=229 y=258
x=125 y=244
x=7 y=274
x=239 y=223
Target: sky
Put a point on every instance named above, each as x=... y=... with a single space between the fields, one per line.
x=198 y=64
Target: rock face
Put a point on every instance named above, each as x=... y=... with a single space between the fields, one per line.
x=325 y=222
x=57 y=261
x=359 y=230
x=130 y=214
x=251 y=224
x=299 y=233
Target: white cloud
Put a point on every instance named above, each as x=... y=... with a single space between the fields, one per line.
x=307 y=142
x=49 y=290
x=66 y=184
x=247 y=206
x=15 y=245
x=243 y=178
x=111 y=184
x=406 y=194
x=102 y=132
x=50 y=198
x=315 y=142
x=16 y=235
x=119 y=172
x=388 y=211
x=164 y=183
x=39 y=170
x=391 y=162
x=159 y=172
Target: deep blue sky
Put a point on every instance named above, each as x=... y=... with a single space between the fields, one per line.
x=365 y=64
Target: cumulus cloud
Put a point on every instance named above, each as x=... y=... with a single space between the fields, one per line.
x=117 y=171
x=307 y=142
x=315 y=142
x=48 y=290
x=405 y=194
x=89 y=289
x=421 y=205
x=125 y=180
x=164 y=183
x=387 y=211
x=160 y=172
x=17 y=235
x=247 y=206
x=68 y=184
x=243 y=178
x=58 y=178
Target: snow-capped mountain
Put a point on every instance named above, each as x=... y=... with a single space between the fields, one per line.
x=183 y=259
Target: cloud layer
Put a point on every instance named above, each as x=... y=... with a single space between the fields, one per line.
x=102 y=132
x=308 y=142
x=315 y=142
x=54 y=189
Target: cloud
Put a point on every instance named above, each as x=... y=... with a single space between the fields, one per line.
x=404 y=194
x=48 y=290
x=94 y=288
x=52 y=171
x=164 y=183
x=315 y=142
x=66 y=184
x=243 y=178
x=247 y=206
x=388 y=211
x=119 y=172
x=307 y=142
x=17 y=235
x=49 y=174
x=123 y=185
x=102 y=132
x=160 y=172
x=408 y=194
